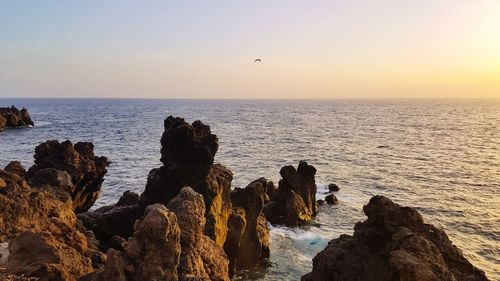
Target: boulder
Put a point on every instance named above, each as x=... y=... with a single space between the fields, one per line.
x=201 y=258
x=331 y=199
x=187 y=155
x=393 y=243
x=333 y=187
x=294 y=202
x=85 y=169
x=247 y=244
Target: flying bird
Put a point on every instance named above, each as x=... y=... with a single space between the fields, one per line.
x=257 y=60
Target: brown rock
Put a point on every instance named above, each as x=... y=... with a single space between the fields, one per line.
x=392 y=244
x=114 y=220
x=248 y=236
x=45 y=238
x=152 y=253
x=294 y=202
x=13 y=117
x=201 y=258
x=333 y=187
x=86 y=170
x=42 y=256
x=187 y=154
x=331 y=199
x=16 y=168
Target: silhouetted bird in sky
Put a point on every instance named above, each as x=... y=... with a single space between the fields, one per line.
x=257 y=60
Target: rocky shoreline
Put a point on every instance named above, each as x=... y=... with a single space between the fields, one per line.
x=189 y=224
x=11 y=117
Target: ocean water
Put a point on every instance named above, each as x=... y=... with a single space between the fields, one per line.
x=439 y=156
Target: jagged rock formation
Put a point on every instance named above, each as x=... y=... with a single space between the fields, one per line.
x=294 y=202
x=331 y=199
x=201 y=258
x=84 y=168
x=247 y=242
x=114 y=222
x=152 y=253
x=394 y=243
x=44 y=237
x=188 y=154
x=13 y=117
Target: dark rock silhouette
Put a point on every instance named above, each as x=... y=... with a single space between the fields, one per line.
x=393 y=243
x=333 y=187
x=152 y=253
x=201 y=258
x=331 y=199
x=188 y=154
x=110 y=223
x=294 y=202
x=85 y=169
x=247 y=242
x=13 y=117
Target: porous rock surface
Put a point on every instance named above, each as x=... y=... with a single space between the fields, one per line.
x=84 y=168
x=294 y=202
x=393 y=244
x=13 y=117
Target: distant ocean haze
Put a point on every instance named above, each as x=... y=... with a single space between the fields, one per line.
x=440 y=156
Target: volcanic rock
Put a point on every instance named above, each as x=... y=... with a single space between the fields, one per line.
x=331 y=199
x=294 y=202
x=113 y=221
x=187 y=155
x=248 y=237
x=333 y=187
x=394 y=243
x=152 y=253
x=45 y=239
x=85 y=169
x=201 y=258
x=13 y=117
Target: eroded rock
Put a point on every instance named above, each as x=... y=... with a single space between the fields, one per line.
x=85 y=169
x=248 y=237
x=188 y=154
x=13 y=117
x=152 y=253
x=201 y=258
x=393 y=243
x=294 y=202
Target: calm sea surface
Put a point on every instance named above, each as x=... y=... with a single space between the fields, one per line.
x=441 y=157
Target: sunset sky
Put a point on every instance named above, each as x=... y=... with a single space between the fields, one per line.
x=205 y=49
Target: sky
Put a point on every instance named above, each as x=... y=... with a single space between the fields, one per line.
x=206 y=49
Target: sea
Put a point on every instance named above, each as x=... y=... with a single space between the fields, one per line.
x=441 y=157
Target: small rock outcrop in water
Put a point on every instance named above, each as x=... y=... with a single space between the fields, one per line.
x=294 y=202
x=331 y=199
x=84 y=168
x=13 y=117
x=201 y=258
x=392 y=244
x=44 y=237
x=187 y=155
x=247 y=242
x=152 y=253
x=333 y=187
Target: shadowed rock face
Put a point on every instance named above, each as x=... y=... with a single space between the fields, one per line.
x=152 y=253
x=13 y=117
x=111 y=221
x=247 y=243
x=392 y=244
x=188 y=154
x=201 y=258
x=84 y=168
x=294 y=202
